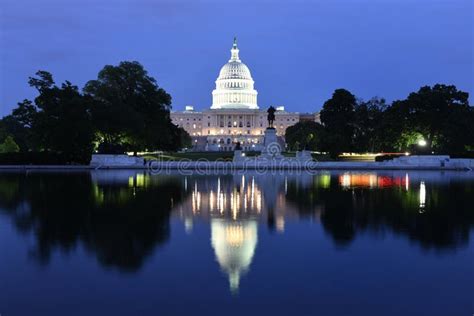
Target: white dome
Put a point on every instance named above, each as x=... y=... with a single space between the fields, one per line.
x=234 y=86
x=235 y=70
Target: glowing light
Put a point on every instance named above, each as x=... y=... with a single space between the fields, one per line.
x=280 y=224
x=188 y=225
x=211 y=201
x=422 y=142
x=234 y=235
x=422 y=196
x=324 y=181
x=346 y=180
x=407 y=153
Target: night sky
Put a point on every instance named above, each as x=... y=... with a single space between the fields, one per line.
x=298 y=51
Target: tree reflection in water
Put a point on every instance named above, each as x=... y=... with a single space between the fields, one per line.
x=122 y=216
x=119 y=222
x=431 y=209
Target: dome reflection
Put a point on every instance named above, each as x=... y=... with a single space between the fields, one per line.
x=234 y=244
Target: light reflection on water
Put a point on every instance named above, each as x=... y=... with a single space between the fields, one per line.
x=123 y=217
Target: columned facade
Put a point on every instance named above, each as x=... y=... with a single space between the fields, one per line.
x=234 y=116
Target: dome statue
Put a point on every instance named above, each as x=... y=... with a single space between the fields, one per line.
x=234 y=86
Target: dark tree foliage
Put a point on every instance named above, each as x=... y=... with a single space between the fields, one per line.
x=21 y=133
x=304 y=135
x=367 y=121
x=131 y=111
x=59 y=119
x=337 y=116
x=441 y=113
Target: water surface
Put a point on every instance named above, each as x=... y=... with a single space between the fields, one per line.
x=331 y=243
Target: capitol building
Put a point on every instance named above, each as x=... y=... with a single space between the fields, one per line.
x=234 y=116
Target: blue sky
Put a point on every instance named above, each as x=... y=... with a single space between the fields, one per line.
x=298 y=51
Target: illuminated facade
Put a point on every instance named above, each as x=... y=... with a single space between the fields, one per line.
x=234 y=115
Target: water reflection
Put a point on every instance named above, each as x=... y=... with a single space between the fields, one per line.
x=234 y=243
x=417 y=206
x=120 y=224
x=122 y=217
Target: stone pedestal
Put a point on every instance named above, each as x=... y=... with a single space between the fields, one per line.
x=238 y=156
x=271 y=147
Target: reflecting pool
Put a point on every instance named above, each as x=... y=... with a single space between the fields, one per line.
x=330 y=243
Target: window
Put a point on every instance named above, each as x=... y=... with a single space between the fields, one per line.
x=240 y=124
x=248 y=131
x=248 y=124
x=208 y=124
x=229 y=124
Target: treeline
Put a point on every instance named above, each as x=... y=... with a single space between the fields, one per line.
x=123 y=110
x=434 y=119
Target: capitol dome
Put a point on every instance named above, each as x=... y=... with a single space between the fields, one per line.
x=235 y=70
x=234 y=86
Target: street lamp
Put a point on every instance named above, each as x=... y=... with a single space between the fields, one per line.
x=422 y=142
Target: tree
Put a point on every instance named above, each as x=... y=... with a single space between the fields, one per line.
x=367 y=118
x=304 y=135
x=57 y=121
x=22 y=134
x=9 y=146
x=338 y=116
x=434 y=111
x=183 y=137
x=131 y=110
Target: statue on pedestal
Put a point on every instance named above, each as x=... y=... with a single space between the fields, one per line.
x=271 y=116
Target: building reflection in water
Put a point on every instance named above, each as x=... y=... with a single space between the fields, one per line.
x=237 y=205
x=234 y=206
x=123 y=216
x=234 y=244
